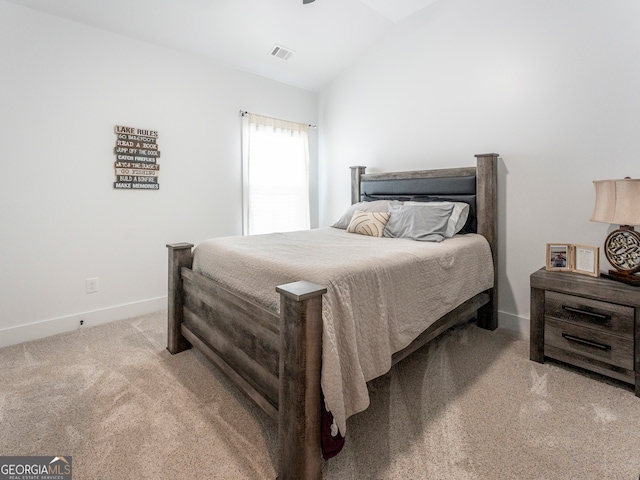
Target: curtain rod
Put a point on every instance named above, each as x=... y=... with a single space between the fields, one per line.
x=244 y=113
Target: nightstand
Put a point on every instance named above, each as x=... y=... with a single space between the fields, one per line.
x=589 y=322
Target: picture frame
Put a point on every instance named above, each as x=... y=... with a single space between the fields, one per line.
x=568 y=257
x=558 y=256
x=586 y=260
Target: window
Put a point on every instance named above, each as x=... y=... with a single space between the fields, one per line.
x=275 y=175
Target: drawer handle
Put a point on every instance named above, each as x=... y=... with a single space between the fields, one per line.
x=600 y=316
x=601 y=346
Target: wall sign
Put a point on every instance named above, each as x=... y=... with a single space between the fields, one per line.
x=137 y=155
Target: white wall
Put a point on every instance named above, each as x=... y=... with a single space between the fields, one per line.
x=63 y=88
x=550 y=85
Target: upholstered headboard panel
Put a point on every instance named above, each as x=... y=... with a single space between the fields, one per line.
x=460 y=185
x=455 y=188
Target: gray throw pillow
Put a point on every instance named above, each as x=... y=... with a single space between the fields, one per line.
x=425 y=222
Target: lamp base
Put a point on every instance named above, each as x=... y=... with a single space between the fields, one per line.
x=628 y=278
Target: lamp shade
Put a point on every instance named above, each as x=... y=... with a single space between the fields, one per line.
x=617 y=201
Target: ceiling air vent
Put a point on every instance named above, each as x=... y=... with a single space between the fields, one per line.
x=281 y=52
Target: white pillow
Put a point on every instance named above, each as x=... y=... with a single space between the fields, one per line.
x=375 y=206
x=457 y=219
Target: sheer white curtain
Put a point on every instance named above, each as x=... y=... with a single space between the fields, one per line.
x=276 y=175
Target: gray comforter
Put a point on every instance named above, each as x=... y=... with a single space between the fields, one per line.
x=382 y=293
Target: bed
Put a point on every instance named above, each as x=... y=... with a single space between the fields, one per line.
x=272 y=348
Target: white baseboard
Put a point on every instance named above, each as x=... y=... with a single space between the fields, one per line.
x=54 y=326
x=33 y=331
x=514 y=324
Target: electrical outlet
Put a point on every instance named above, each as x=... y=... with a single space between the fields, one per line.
x=92 y=285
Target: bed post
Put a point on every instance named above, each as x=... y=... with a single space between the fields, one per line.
x=299 y=405
x=487 y=206
x=179 y=256
x=356 y=173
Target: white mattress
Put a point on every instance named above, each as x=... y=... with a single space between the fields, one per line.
x=382 y=293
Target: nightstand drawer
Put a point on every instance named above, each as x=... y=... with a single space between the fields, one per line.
x=608 y=317
x=588 y=342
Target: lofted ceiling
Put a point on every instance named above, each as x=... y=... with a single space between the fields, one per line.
x=326 y=36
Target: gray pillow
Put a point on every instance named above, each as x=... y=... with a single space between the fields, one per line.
x=458 y=217
x=425 y=222
x=375 y=206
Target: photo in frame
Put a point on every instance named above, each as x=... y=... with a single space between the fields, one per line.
x=568 y=257
x=558 y=256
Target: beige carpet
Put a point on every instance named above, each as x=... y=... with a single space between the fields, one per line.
x=469 y=406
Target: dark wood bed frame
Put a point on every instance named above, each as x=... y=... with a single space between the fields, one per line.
x=275 y=359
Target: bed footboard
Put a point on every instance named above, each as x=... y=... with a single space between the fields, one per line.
x=179 y=256
x=300 y=408
x=275 y=360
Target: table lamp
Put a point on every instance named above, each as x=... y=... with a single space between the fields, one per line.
x=618 y=202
